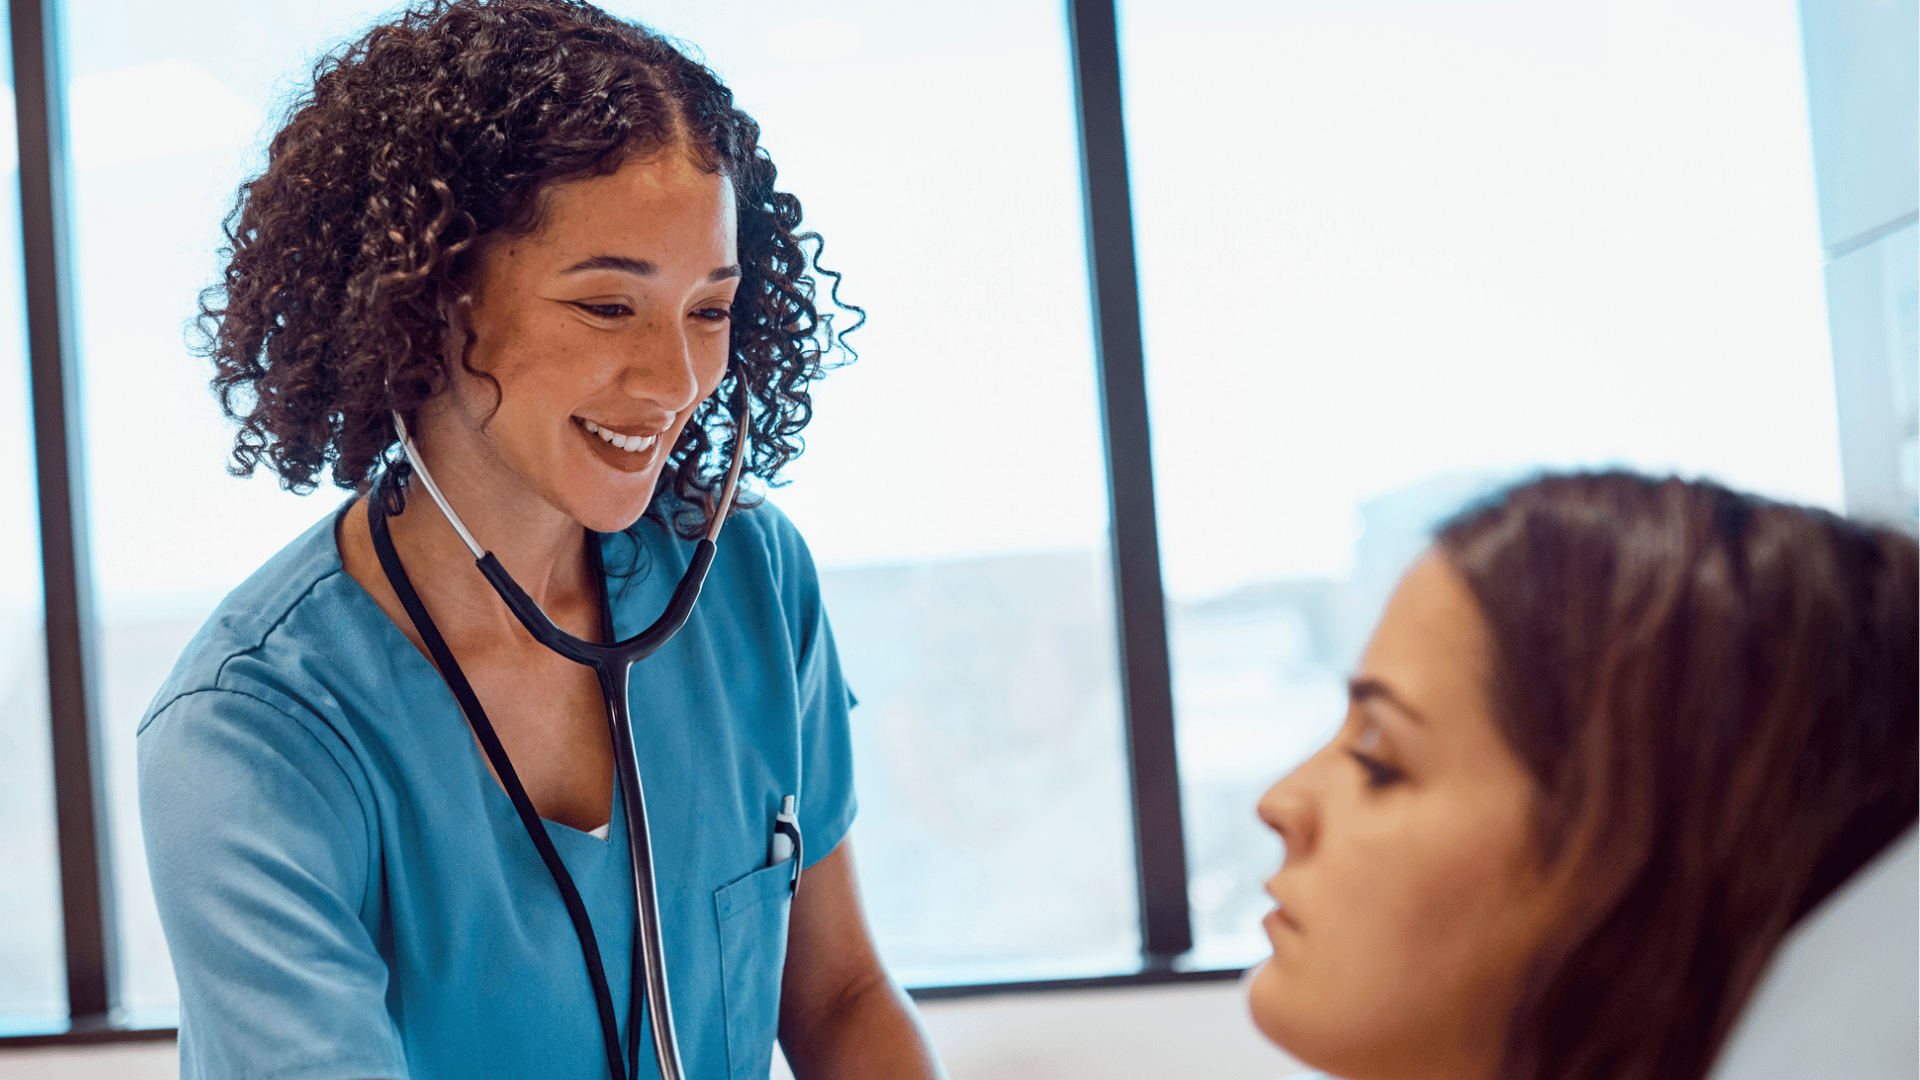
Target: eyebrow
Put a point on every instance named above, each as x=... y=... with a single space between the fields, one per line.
x=1367 y=688
x=638 y=267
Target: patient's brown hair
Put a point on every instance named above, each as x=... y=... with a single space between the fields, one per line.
x=1716 y=698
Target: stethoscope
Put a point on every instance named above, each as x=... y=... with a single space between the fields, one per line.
x=612 y=663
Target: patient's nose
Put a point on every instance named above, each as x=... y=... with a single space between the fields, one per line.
x=1289 y=809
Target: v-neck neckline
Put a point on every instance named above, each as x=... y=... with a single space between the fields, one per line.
x=418 y=668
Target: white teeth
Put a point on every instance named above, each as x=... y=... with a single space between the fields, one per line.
x=629 y=443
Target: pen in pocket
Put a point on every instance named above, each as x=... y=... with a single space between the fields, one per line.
x=785 y=843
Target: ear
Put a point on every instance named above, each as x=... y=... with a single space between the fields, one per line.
x=456 y=309
x=456 y=334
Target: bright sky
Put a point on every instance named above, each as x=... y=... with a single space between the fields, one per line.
x=1379 y=242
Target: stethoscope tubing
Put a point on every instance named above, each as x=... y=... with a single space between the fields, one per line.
x=476 y=716
x=612 y=664
x=653 y=965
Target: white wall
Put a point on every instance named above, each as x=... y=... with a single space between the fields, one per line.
x=1194 y=1032
x=1199 y=1032
x=153 y=1061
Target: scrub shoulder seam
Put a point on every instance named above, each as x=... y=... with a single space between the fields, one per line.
x=361 y=790
x=302 y=727
x=279 y=621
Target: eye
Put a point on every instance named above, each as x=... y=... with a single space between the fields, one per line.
x=1379 y=773
x=716 y=315
x=605 y=311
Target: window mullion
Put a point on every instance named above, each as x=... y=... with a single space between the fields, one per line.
x=1146 y=688
x=54 y=375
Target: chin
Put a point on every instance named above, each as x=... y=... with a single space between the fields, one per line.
x=608 y=511
x=1266 y=1001
x=603 y=520
x=1286 y=1019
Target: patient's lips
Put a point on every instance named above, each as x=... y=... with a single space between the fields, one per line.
x=1279 y=914
x=1280 y=919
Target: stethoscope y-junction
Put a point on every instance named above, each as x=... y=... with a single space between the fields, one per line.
x=612 y=664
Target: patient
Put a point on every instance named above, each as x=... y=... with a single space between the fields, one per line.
x=1612 y=738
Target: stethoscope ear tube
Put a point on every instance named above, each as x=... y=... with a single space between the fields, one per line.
x=638 y=647
x=612 y=663
x=483 y=732
x=592 y=654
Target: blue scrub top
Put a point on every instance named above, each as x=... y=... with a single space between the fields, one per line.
x=348 y=893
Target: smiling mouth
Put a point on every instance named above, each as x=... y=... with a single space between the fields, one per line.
x=632 y=444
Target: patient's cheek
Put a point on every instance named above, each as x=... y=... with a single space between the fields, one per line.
x=1411 y=945
x=1459 y=930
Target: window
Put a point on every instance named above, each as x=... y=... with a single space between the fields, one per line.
x=32 y=964
x=1388 y=254
x=953 y=491
x=168 y=112
x=1420 y=250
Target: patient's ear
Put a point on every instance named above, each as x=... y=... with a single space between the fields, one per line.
x=1842 y=994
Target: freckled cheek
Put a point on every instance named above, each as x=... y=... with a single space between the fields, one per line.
x=713 y=365
x=553 y=368
x=709 y=368
x=532 y=387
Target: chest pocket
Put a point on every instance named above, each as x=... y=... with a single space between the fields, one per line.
x=753 y=948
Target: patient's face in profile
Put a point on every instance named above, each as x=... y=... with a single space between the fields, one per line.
x=1410 y=899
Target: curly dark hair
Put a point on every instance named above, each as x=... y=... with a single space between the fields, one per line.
x=430 y=132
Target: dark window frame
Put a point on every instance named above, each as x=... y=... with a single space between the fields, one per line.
x=86 y=876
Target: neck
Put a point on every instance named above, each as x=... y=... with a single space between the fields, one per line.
x=541 y=547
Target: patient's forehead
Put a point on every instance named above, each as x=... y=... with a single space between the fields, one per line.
x=1431 y=646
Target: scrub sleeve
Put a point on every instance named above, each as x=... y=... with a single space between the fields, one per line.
x=348 y=894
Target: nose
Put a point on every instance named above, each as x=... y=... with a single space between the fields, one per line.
x=665 y=368
x=1291 y=809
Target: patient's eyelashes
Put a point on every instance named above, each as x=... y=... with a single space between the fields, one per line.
x=1366 y=752
x=1379 y=774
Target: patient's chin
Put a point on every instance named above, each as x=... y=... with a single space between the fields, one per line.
x=1275 y=1013
x=1295 y=1019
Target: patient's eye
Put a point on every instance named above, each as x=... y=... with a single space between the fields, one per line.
x=1366 y=752
x=1379 y=773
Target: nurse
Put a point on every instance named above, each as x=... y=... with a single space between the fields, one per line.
x=550 y=243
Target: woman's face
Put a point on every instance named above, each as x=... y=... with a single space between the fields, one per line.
x=1410 y=900
x=603 y=329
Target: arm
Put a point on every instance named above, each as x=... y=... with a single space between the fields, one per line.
x=259 y=849
x=841 y=1017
